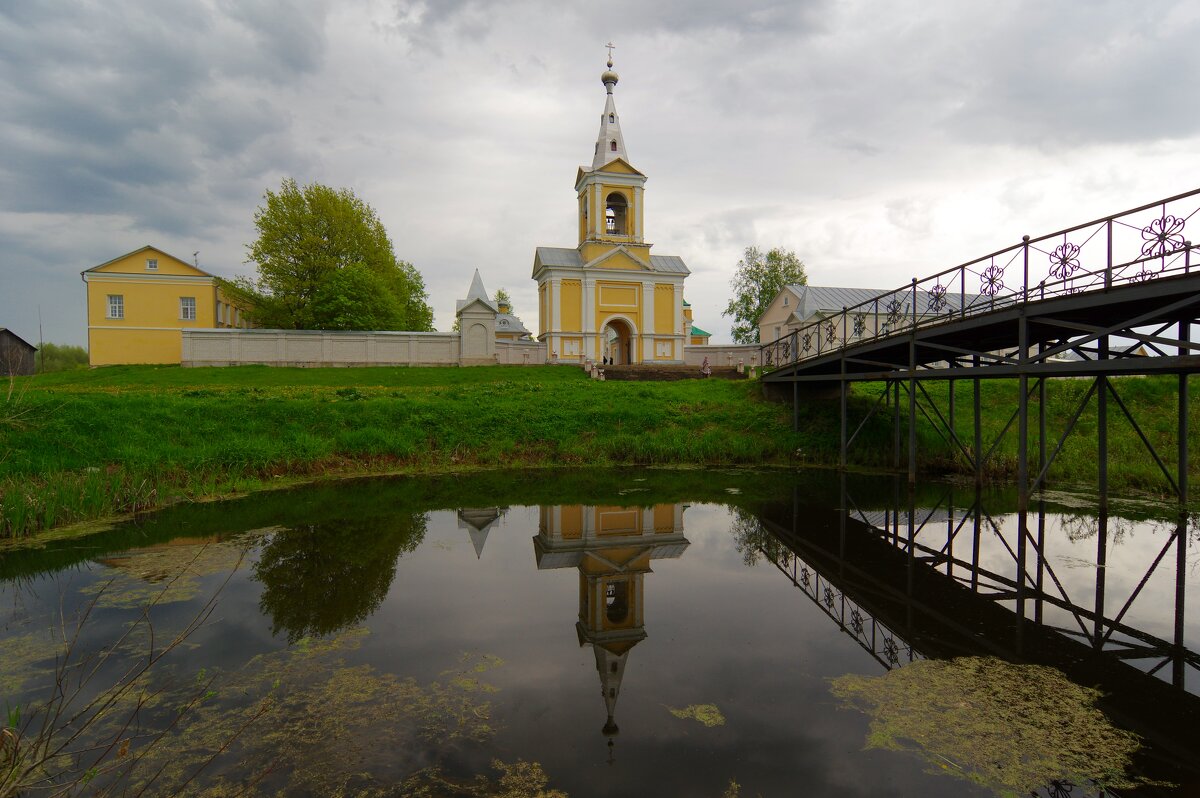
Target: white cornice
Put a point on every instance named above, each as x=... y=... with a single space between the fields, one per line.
x=611 y=179
x=118 y=277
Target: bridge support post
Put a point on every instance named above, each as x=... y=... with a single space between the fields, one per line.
x=842 y=448
x=795 y=406
x=978 y=429
x=896 y=425
x=1102 y=430
x=1181 y=468
x=912 y=410
x=1178 y=665
x=1022 y=469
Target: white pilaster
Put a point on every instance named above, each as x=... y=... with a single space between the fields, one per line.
x=647 y=321
x=638 y=212
x=556 y=305
x=598 y=211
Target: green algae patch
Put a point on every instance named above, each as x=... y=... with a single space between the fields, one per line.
x=520 y=779
x=309 y=720
x=1013 y=728
x=708 y=714
x=166 y=574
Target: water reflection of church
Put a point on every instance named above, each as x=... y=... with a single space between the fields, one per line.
x=612 y=547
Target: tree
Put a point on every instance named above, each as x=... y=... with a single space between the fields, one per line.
x=61 y=357
x=758 y=280
x=502 y=297
x=307 y=238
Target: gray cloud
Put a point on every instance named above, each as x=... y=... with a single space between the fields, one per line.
x=873 y=140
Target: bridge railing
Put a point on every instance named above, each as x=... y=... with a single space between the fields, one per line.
x=1137 y=245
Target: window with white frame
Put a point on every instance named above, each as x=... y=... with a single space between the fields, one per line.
x=151 y=264
x=220 y=313
x=785 y=302
x=116 y=306
x=187 y=308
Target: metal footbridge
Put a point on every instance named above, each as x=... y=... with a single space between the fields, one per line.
x=1110 y=297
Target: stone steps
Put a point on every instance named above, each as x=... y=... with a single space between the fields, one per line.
x=650 y=373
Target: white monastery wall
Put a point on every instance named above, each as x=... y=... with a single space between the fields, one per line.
x=721 y=354
x=234 y=347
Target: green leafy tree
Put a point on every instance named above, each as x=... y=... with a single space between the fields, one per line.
x=355 y=298
x=60 y=357
x=307 y=236
x=502 y=297
x=758 y=280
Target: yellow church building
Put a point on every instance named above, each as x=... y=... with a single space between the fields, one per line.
x=138 y=303
x=609 y=297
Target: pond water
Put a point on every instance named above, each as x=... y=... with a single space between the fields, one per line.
x=698 y=633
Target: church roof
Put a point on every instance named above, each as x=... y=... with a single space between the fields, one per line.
x=697 y=331
x=477 y=292
x=507 y=322
x=571 y=258
x=669 y=263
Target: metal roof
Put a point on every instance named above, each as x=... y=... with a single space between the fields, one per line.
x=19 y=338
x=561 y=256
x=671 y=264
x=476 y=293
x=506 y=322
x=815 y=299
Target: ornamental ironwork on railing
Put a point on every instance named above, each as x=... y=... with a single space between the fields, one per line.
x=1134 y=246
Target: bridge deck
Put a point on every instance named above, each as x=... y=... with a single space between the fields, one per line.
x=1070 y=322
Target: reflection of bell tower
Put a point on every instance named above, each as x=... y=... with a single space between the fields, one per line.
x=478 y=521
x=612 y=547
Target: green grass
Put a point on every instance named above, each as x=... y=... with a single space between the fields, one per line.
x=110 y=441
x=77 y=446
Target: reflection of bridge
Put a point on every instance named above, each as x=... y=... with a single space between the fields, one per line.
x=1111 y=297
x=914 y=587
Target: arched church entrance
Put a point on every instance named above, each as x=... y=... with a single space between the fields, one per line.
x=617 y=336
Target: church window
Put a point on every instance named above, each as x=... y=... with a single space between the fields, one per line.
x=785 y=302
x=612 y=145
x=151 y=264
x=187 y=308
x=612 y=118
x=116 y=306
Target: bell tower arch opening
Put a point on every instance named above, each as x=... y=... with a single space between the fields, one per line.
x=616 y=214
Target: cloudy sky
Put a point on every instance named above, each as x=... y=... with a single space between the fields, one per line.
x=879 y=141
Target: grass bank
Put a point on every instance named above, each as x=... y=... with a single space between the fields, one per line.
x=87 y=445
x=79 y=446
